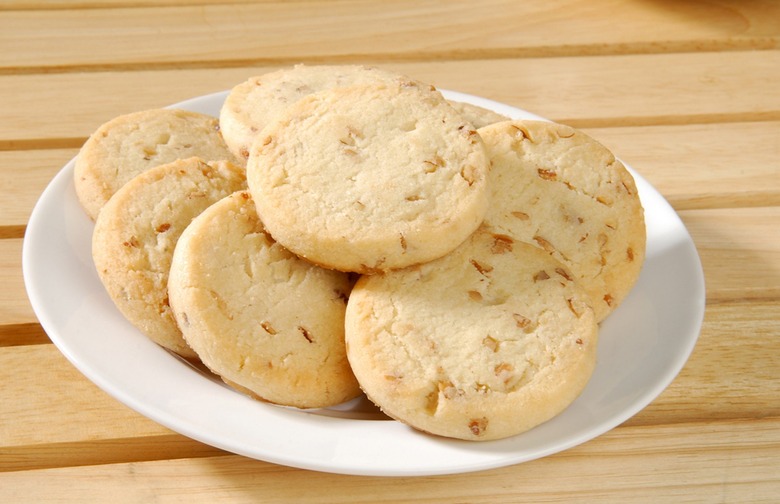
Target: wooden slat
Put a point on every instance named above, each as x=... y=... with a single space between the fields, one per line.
x=704 y=165
x=583 y=92
x=740 y=251
x=716 y=383
x=15 y=307
x=23 y=177
x=704 y=462
x=411 y=29
x=83 y=412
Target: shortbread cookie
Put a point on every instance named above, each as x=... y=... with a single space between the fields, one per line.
x=268 y=322
x=557 y=188
x=130 y=144
x=484 y=343
x=137 y=230
x=370 y=178
x=254 y=103
x=476 y=115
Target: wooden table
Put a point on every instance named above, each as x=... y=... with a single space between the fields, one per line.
x=688 y=93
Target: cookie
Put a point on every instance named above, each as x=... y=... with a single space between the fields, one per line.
x=254 y=103
x=483 y=343
x=269 y=323
x=557 y=188
x=130 y=144
x=137 y=230
x=476 y=115
x=370 y=178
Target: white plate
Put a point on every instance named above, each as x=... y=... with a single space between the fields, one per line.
x=642 y=347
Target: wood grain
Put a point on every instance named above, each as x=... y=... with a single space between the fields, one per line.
x=704 y=462
x=408 y=29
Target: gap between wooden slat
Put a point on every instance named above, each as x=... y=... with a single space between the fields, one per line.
x=10 y=232
x=108 y=4
x=174 y=446
x=105 y=451
x=557 y=51
x=22 y=144
x=30 y=333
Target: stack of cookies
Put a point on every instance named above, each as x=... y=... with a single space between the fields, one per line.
x=343 y=230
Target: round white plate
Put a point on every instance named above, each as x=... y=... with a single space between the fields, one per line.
x=642 y=347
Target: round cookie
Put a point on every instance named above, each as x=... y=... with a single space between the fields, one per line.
x=268 y=322
x=370 y=178
x=136 y=232
x=254 y=103
x=130 y=144
x=557 y=188
x=483 y=343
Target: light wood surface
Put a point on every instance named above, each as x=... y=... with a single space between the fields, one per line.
x=685 y=92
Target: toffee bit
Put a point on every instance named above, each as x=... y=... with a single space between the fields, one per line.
x=490 y=342
x=501 y=244
x=630 y=254
x=603 y=200
x=609 y=299
x=570 y=303
x=547 y=174
x=483 y=269
x=547 y=246
x=267 y=327
x=163 y=227
x=306 y=334
x=563 y=273
x=132 y=242
x=541 y=275
x=478 y=426
x=521 y=321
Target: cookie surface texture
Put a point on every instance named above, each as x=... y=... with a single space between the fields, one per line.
x=269 y=323
x=136 y=232
x=254 y=103
x=484 y=343
x=370 y=178
x=130 y=144
x=476 y=115
x=557 y=188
